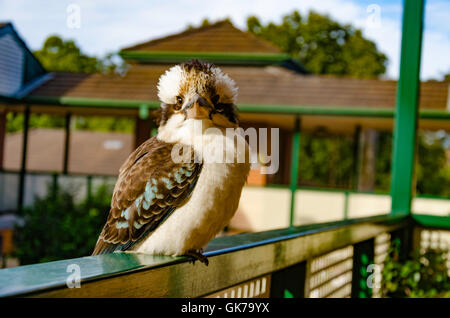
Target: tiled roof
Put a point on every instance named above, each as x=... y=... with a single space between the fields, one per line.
x=270 y=85
x=219 y=37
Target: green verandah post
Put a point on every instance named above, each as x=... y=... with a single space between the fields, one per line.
x=23 y=161
x=407 y=107
x=294 y=167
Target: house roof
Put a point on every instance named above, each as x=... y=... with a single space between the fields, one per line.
x=264 y=89
x=21 y=71
x=46 y=147
x=220 y=43
x=218 y=37
x=269 y=85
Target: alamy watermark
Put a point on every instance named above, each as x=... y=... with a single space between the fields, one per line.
x=233 y=147
x=74 y=279
x=73 y=20
x=374 y=16
x=374 y=279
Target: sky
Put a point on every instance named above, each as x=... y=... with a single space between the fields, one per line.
x=107 y=26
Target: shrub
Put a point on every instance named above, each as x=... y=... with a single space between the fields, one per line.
x=56 y=227
x=424 y=274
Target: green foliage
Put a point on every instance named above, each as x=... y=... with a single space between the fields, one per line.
x=56 y=227
x=58 y=55
x=424 y=274
x=326 y=161
x=63 y=55
x=205 y=22
x=383 y=162
x=118 y=124
x=323 y=45
x=447 y=77
x=14 y=121
x=432 y=171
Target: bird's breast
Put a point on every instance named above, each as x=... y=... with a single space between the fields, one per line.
x=212 y=204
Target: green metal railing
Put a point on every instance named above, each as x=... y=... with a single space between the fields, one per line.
x=233 y=260
x=283 y=258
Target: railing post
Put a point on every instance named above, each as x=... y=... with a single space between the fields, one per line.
x=346 y=198
x=66 y=143
x=403 y=240
x=295 y=154
x=89 y=188
x=143 y=128
x=289 y=282
x=356 y=157
x=363 y=256
x=407 y=107
x=55 y=185
x=21 y=194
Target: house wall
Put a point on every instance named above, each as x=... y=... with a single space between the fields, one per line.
x=11 y=65
x=267 y=208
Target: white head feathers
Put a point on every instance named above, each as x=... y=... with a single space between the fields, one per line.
x=181 y=78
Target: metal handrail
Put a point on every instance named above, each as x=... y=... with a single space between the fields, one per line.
x=233 y=260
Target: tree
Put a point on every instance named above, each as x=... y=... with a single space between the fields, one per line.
x=205 y=22
x=63 y=55
x=323 y=45
x=58 y=55
x=447 y=77
x=325 y=161
x=432 y=170
x=120 y=124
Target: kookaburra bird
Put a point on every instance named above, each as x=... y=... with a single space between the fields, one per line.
x=173 y=207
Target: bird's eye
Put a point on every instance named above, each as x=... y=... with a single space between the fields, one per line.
x=179 y=103
x=215 y=99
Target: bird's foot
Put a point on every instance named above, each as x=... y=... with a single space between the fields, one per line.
x=197 y=256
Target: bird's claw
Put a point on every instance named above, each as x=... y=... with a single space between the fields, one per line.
x=197 y=256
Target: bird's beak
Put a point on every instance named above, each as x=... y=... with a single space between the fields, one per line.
x=198 y=108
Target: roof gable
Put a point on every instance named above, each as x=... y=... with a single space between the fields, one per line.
x=220 y=37
x=22 y=71
x=220 y=43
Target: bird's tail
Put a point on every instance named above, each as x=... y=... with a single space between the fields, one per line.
x=103 y=247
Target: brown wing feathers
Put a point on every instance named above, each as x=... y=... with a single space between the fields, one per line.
x=149 y=188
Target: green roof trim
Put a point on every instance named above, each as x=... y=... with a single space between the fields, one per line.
x=91 y=102
x=357 y=111
x=171 y=57
x=432 y=220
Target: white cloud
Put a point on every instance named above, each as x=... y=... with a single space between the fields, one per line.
x=435 y=55
x=107 y=26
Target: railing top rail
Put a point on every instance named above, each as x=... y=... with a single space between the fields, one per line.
x=234 y=258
